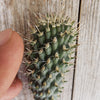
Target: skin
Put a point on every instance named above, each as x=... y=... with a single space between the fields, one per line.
x=11 y=54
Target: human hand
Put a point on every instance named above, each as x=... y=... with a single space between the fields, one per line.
x=11 y=53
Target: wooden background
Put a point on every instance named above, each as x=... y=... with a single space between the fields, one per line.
x=84 y=81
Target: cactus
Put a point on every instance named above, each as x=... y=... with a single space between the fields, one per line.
x=49 y=54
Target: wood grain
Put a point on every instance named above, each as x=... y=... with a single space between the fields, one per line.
x=87 y=77
x=15 y=14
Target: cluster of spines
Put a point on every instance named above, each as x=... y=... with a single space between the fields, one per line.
x=51 y=47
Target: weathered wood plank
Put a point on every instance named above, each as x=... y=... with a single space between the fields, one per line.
x=87 y=77
x=14 y=14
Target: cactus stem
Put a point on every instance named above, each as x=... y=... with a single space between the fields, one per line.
x=49 y=53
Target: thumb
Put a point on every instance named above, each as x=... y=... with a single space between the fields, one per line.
x=11 y=53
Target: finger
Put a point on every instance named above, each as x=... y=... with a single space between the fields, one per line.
x=13 y=91
x=11 y=53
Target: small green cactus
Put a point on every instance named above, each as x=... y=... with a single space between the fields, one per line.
x=49 y=55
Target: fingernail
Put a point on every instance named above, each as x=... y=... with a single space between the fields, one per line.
x=5 y=36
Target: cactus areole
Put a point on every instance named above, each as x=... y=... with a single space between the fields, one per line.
x=49 y=54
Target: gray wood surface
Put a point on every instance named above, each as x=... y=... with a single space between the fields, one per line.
x=84 y=85
x=87 y=76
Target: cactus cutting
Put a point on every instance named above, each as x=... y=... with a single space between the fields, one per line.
x=49 y=53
